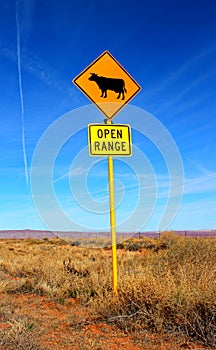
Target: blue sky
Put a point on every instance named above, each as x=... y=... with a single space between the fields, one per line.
x=169 y=48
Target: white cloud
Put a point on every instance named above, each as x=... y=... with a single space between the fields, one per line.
x=185 y=91
x=201 y=184
x=43 y=71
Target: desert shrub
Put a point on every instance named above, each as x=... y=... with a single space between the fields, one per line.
x=20 y=335
x=138 y=244
x=169 y=237
x=134 y=247
x=120 y=245
x=75 y=243
x=172 y=290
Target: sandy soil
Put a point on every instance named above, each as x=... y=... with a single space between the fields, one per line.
x=68 y=326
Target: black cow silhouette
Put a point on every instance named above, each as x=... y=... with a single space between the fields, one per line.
x=113 y=84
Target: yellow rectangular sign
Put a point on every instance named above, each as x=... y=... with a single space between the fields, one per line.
x=109 y=140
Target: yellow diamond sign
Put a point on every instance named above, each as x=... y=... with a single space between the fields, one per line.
x=109 y=140
x=107 y=84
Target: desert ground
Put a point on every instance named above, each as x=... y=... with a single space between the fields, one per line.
x=57 y=294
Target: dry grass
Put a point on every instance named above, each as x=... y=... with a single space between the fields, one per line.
x=165 y=285
x=21 y=334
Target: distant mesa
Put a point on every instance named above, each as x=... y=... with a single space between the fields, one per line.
x=40 y=234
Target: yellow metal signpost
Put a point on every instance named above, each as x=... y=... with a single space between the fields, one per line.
x=110 y=87
x=113 y=223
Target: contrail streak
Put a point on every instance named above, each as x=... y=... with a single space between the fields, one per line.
x=21 y=95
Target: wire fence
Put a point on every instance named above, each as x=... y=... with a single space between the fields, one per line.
x=185 y=233
x=37 y=234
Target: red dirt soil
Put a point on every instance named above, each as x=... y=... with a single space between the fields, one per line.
x=69 y=327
